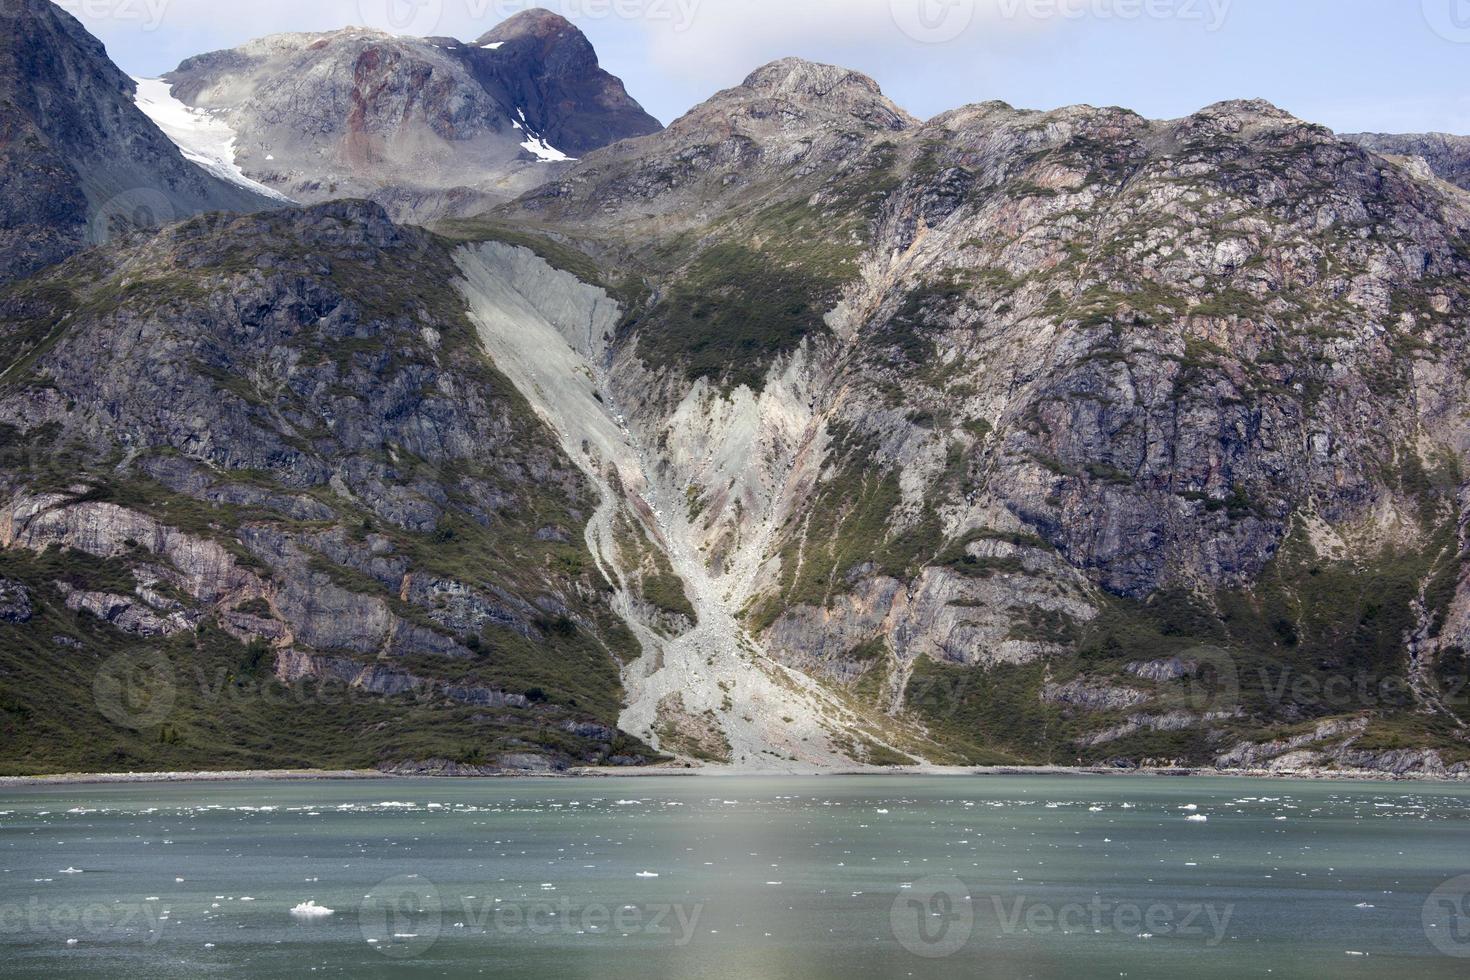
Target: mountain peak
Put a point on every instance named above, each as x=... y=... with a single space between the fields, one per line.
x=797 y=76
x=536 y=23
x=1246 y=110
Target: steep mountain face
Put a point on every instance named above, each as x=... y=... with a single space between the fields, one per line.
x=1051 y=435
x=1446 y=157
x=799 y=433
x=540 y=66
x=77 y=159
x=428 y=127
x=342 y=531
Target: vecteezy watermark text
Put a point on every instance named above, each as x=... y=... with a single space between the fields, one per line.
x=422 y=18
x=404 y=917
x=936 y=917
x=147 y=14
x=941 y=21
x=38 y=919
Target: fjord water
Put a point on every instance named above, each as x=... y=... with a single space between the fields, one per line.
x=737 y=877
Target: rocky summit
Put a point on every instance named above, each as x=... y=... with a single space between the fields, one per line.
x=801 y=433
x=429 y=127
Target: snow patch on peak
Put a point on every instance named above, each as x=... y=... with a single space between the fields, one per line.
x=544 y=151
x=537 y=146
x=203 y=137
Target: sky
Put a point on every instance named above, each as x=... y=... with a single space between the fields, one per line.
x=1353 y=65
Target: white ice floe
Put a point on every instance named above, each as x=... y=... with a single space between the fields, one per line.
x=202 y=136
x=311 y=910
x=648 y=874
x=70 y=871
x=1197 y=818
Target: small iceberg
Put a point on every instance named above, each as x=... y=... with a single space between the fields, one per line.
x=648 y=874
x=70 y=871
x=1197 y=818
x=311 y=910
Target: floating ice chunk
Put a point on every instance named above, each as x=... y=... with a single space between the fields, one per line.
x=70 y=871
x=1197 y=818
x=311 y=910
x=648 y=874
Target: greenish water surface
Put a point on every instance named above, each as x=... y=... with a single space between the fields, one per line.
x=738 y=877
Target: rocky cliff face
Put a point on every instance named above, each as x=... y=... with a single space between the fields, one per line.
x=1446 y=157
x=1022 y=398
x=428 y=127
x=271 y=447
x=77 y=159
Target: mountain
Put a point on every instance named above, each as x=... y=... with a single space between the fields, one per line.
x=77 y=159
x=428 y=127
x=1017 y=425
x=800 y=433
x=340 y=493
x=1446 y=157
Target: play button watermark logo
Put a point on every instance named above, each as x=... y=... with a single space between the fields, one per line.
x=933 y=918
x=1450 y=19
x=933 y=21
x=402 y=917
x=413 y=18
x=1447 y=918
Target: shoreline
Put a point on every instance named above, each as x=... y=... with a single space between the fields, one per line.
x=710 y=772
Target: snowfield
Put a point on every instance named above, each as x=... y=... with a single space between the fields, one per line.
x=203 y=137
